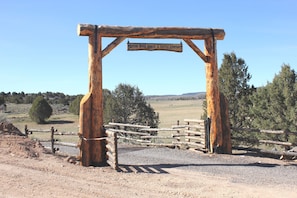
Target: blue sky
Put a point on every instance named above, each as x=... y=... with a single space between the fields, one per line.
x=40 y=50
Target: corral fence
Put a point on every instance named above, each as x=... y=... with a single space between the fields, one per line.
x=54 y=141
x=193 y=134
x=280 y=142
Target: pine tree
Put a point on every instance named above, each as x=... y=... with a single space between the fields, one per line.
x=234 y=84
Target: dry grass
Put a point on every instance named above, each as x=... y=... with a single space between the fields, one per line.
x=172 y=110
x=18 y=114
x=169 y=111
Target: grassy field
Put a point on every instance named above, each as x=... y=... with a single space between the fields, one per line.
x=169 y=111
x=172 y=110
x=18 y=114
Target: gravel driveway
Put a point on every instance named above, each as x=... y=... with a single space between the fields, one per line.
x=240 y=168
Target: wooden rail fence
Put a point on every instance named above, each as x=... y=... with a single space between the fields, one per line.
x=112 y=149
x=194 y=134
x=191 y=134
x=283 y=138
x=52 y=139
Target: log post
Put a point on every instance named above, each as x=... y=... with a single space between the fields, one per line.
x=91 y=108
x=53 y=140
x=26 y=130
x=213 y=95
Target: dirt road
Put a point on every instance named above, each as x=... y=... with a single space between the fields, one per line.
x=151 y=172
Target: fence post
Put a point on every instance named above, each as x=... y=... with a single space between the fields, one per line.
x=112 y=149
x=116 y=151
x=26 y=130
x=178 y=132
x=287 y=139
x=188 y=128
x=53 y=140
x=207 y=133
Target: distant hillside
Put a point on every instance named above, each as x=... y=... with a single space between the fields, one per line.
x=185 y=96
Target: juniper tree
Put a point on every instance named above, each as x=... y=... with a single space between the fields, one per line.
x=130 y=106
x=234 y=84
x=40 y=110
x=274 y=105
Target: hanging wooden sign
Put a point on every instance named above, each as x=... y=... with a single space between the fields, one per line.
x=155 y=46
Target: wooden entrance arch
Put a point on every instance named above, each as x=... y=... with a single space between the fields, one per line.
x=92 y=133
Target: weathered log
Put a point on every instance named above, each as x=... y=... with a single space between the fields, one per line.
x=156 y=137
x=113 y=164
x=272 y=131
x=195 y=132
x=275 y=142
x=40 y=130
x=111 y=156
x=213 y=95
x=195 y=138
x=91 y=114
x=194 y=120
x=264 y=131
x=127 y=125
x=112 y=150
x=53 y=140
x=128 y=132
x=85 y=128
x=197 y=50
x=112 y=45
x=195 y=126
x=151 y=32
x=179 y=126
x=177 y=135
x=66 y=144
x=134 y=140
x=65 y=133
x=158 y=129
x=110 y=147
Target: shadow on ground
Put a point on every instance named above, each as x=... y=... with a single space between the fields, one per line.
x=159 y=168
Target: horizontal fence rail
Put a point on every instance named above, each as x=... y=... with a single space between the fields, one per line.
x=112 y=149
x=53 y=132
x=189 y=135
x=281 y=138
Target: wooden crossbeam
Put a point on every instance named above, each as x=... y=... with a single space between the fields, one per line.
x=151 y=32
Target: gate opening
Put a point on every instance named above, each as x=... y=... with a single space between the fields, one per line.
x=92 y=147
